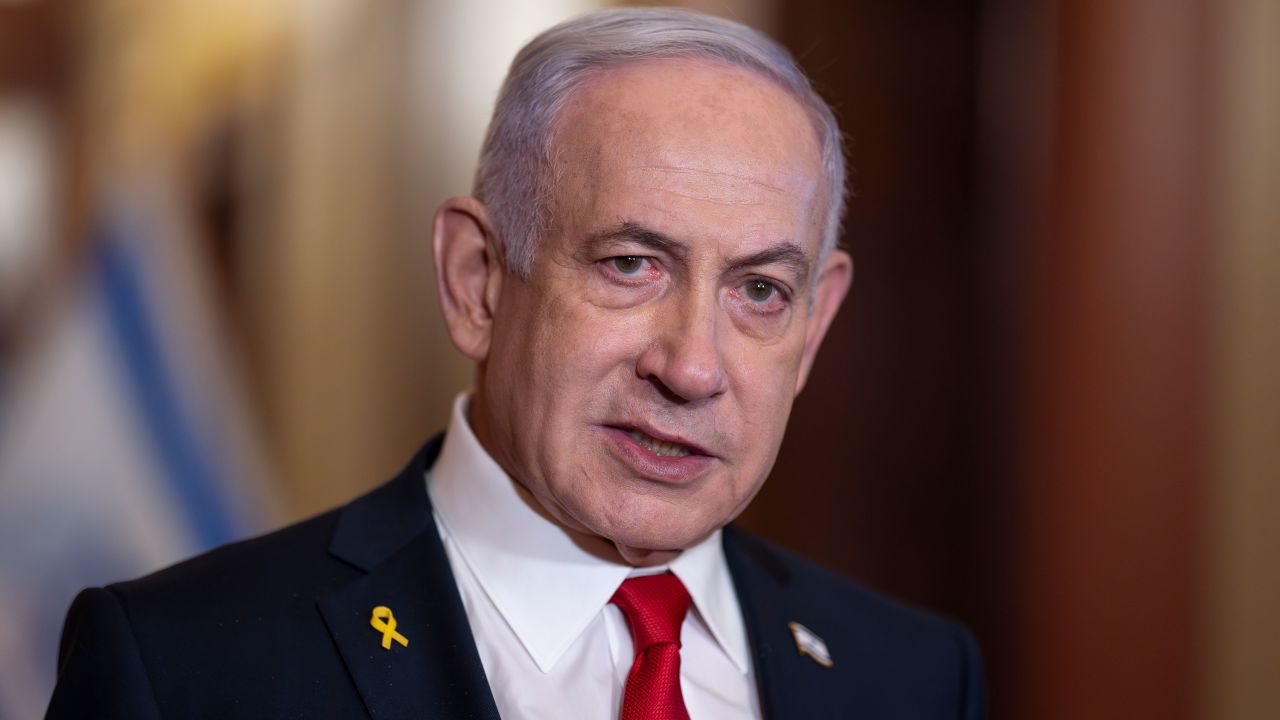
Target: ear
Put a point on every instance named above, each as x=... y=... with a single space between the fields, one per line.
x=468 y=273
x=833 y=284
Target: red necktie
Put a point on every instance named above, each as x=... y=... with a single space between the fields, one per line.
x=655 y=606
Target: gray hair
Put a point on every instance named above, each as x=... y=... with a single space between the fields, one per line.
x=515 y=172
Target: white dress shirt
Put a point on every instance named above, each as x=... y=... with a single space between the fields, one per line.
x=537 y=597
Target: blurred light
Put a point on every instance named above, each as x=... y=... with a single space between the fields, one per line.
x=462 y=54
x=26 y=195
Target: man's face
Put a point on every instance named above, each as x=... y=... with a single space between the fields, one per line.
x=638 y=384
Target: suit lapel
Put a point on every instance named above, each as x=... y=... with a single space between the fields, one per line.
x=391 y=535
x=790 y=685
x=759 y=581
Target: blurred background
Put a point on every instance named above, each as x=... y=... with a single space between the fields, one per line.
x=1051 y=406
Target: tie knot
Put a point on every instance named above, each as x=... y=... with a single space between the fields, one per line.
x=655 y=606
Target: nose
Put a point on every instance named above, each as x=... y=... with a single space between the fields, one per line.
x=685 y=356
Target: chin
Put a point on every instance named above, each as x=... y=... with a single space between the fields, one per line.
x=640 y=520
x=656 y=534
x=645 y=558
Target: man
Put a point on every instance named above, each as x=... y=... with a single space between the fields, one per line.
x=643 y=279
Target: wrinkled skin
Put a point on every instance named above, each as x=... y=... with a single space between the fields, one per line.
x=678 y=293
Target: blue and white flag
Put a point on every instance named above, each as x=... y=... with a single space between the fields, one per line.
x=125 y=443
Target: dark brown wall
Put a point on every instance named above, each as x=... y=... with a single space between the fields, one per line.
x=1006 y=423
x=880 y=454
x=1113 y=470
x=885 y=473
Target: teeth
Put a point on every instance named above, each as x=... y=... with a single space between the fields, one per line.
x=659 y=447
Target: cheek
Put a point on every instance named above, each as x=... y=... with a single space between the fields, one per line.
x=578 y=361
x=763 y=383
x=590 y=341
x=764 y=374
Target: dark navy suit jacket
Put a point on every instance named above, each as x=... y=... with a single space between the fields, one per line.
x=279 y=627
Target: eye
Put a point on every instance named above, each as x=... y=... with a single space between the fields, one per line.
x=759 y=291
x=628 y=264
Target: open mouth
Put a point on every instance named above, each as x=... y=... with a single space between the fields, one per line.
x=670 y=458
x=661 y=448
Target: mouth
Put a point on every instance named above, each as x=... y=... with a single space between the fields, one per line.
x=661 y=448
x=659 y=456
x=662 y=444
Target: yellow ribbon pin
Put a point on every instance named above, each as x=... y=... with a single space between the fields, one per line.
x=384 y=622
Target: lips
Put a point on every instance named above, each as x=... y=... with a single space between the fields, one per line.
x=659 y=442
x=661 y=448
x=658 y=456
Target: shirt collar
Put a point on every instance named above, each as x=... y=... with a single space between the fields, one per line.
x=549 y=582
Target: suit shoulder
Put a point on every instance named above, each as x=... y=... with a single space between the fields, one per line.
x=289 y=562
x=307 y=556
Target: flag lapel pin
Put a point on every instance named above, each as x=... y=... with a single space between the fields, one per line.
x=810 y=644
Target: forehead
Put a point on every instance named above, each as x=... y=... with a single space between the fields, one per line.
x=690 y=141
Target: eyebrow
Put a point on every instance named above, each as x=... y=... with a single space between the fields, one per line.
x=784 y=253
x=634 y=232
